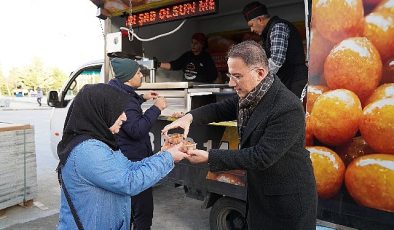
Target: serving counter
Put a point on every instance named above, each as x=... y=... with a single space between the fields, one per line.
x=185 y=96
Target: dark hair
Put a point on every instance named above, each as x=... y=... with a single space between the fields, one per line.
x=250 y=52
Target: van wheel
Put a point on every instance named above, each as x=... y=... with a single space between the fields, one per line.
x=227 y=213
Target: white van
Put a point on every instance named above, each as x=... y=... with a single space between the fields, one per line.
x=88 y=73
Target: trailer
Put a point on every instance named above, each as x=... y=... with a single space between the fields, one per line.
x=345 y=57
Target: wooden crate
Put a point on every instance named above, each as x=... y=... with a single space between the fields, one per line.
x=18 y=167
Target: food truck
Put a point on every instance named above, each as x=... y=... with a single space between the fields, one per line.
x=349 y=100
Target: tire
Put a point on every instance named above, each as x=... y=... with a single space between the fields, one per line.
x=228 y=214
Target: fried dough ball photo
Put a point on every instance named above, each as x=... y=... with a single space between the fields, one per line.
x=383 y=91
x=385 y=6
x=335 y=117
x=388 y=72
x=313 y=92
x=370 y=181
x=338 y=19
x=369 y=5
x=357 y=147
x=377 y=125
x=320 y=48
x=308 y=130
x=329 y=170
x=379 y=29
x=354 y=64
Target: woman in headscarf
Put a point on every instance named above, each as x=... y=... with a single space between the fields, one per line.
x=97 y=179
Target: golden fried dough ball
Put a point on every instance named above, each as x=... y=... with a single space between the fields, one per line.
x=383 y=91
x=370 y=181
x=354 y=64
x=329 y=170
x=379 y=29
x=336 y=116
x=338 y=19
x=377 y=125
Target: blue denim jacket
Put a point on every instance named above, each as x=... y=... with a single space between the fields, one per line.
x=100 y=182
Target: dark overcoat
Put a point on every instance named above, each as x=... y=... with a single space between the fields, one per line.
x=281 y=189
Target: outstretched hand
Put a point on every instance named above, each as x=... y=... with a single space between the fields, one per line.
x=176 y=153
x=197 y=156
x=183 y=122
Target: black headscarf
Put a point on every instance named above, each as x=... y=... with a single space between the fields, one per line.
x=94 y=109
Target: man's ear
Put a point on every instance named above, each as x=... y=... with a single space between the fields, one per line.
x=262 y=73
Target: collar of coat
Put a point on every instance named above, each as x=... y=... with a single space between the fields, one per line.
x=262 y=110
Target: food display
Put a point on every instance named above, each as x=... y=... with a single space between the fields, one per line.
x=350 y=100
x=177 y=138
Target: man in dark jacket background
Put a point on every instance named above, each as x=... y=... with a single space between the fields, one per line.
x=133 y=138
x=282 y=44
x=281 y=188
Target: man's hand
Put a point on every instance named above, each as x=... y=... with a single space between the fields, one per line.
x=183 y=122
x=176 y=153
x=197 y=156
x=150 y=95
x=161 y=103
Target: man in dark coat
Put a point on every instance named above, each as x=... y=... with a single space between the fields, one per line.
x=133 y=138
x=282 y=44
x=281 y=189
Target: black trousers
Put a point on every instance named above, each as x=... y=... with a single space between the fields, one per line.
x=142 y=210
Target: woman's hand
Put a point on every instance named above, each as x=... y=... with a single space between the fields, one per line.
x=176 y=153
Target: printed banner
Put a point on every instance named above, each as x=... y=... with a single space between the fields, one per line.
x=350 y=100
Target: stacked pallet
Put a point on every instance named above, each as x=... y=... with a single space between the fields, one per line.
x=18 y=168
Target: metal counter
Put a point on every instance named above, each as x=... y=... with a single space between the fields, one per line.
x=184 y=96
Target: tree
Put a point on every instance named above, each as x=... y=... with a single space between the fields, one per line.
x=15 y=77
x=35 y=75
x=58 y=77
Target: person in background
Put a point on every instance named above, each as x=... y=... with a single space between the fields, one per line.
x=197 y=64
x=96 y=179
x=282 y=44
x=133 y=138
x=39 y=95
x=281 y=188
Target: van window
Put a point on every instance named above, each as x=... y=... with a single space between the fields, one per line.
x=87 y=76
